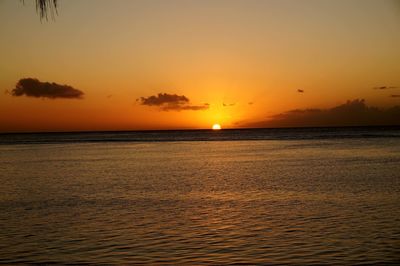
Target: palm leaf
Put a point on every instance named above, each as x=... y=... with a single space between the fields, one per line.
x=44 y=7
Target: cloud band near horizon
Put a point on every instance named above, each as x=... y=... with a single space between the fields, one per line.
x=352 y=113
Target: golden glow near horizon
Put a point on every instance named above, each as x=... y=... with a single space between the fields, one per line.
x=216 y=127
x=234 y=62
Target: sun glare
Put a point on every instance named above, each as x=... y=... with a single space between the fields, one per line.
x=216 y=127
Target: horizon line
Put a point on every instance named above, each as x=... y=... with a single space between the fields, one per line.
x=192 y=129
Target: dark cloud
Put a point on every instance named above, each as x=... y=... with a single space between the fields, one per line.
x=352 y=113
x=395 y=95
x=171 y=102
x=163 y=99
x=250 y=103
x=385 y=87
x=228 y=104
x=35 y=88
x=300 y=90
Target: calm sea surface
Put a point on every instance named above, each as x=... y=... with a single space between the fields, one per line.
x=306 y=196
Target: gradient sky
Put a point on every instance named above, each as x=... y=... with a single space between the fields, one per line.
x=246 y=59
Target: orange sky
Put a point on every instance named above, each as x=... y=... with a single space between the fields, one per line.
x=223 y=53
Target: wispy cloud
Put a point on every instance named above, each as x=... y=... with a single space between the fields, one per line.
x=395 y=96
x=34 y=88
x=352 y=113
x=385 y=87
x=228 y=104
x=185 y=107
x=171 y=102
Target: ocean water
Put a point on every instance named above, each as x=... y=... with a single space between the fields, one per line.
x=290 y=196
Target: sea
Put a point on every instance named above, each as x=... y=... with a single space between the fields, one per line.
x=305 y=196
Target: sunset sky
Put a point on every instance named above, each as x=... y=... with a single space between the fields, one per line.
x=147 y=64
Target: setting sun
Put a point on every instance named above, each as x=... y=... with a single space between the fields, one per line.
x=216 y=127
